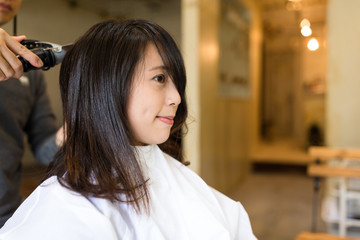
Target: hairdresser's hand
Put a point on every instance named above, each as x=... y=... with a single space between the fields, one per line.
x=60 y=136
x=10 y=47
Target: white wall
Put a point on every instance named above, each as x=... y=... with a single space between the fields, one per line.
x=343 y=90
x=190 y=40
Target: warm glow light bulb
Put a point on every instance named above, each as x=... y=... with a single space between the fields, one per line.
x=313 y=44
x=306 y=31
x=304 y=23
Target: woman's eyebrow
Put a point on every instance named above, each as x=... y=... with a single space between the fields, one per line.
x=162 y=67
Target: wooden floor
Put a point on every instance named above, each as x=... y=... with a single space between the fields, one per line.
x=321 y=236
x=278 y=200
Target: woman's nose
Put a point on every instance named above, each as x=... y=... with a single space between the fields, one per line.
x=173 y=97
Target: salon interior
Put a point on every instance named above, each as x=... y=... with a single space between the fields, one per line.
x=273 y=94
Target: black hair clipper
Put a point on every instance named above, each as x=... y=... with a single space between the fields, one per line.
x=50 y=53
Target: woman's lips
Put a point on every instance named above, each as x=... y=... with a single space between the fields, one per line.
x=167 y=120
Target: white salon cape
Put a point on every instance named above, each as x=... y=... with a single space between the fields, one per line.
x=183 y=207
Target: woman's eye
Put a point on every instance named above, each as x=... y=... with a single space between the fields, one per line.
x=160 y=78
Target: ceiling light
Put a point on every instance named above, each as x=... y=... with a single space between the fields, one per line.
x=306 y=31
x=304 y=23
x=313 y=44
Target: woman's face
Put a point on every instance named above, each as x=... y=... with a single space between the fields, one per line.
x=153 y=100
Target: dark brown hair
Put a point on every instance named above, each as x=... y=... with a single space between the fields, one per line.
x=97 y=158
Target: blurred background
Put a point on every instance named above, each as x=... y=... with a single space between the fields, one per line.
x=267 y=79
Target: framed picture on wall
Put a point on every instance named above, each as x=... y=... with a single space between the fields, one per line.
x=234 y=66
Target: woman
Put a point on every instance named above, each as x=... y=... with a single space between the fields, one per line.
x=116 y=177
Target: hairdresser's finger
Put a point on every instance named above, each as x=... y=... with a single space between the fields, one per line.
x=22 y=51
x=10 y=65
x=2 y=76
x=19 y=38
x=6 y=70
